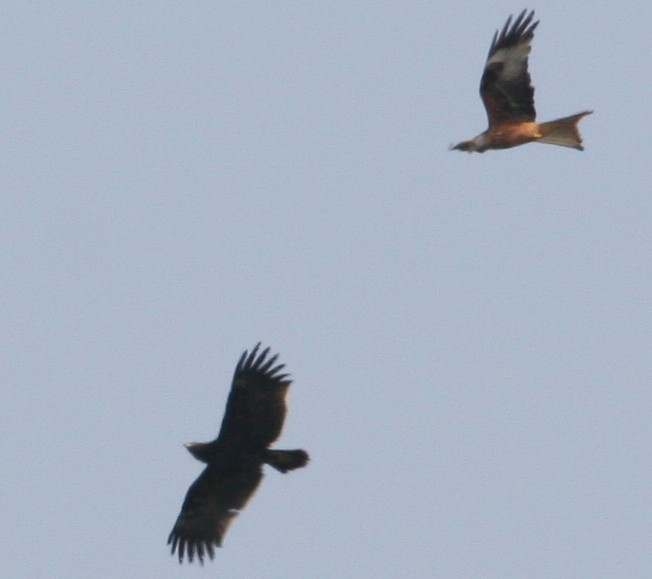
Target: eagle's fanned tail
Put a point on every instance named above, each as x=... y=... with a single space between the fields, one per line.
x=285 y=460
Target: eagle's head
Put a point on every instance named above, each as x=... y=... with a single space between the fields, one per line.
x=200 y=450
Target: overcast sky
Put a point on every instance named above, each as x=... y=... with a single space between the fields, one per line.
x=469 y=335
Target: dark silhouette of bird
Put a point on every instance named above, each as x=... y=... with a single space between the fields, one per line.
x=253 y=420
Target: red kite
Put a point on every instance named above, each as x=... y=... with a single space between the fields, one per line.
x=508 y=96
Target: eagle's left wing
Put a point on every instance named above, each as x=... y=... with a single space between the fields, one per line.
x=212 y=502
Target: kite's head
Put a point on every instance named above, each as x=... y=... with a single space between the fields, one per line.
x=472 y=146
x=463 y=146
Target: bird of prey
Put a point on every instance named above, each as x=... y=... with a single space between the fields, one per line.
x=252 y=421
x=508 y=96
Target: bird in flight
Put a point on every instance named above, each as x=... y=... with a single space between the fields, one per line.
x=253 y=420
x=508 y=96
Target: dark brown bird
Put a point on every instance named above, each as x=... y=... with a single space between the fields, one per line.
x=253 y=420
x=508 y=96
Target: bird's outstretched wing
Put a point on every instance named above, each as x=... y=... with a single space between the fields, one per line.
x=505 y=87
x=256 y=409
x=211 y=503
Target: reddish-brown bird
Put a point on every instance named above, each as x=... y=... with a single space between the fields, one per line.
x=508 y=96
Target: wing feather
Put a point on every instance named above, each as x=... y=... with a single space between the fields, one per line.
x=505 y=87
x=255 y=409
x=211 y=504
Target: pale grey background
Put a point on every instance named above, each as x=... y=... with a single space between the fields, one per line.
x=469 y=335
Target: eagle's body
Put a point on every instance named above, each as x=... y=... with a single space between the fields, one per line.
x=253 y=419
x=508 y=96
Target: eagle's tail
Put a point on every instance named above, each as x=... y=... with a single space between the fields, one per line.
x=563 y=132
x=285 y=460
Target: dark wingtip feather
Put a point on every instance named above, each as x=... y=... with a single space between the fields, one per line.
x=268 y=364
x=254 y=362
x=185 y=547
x=252 y=356
x=513 y=34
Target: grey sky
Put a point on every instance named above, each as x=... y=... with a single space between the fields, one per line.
x=469 y=335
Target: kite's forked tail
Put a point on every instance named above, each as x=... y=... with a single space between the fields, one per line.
x=563 y=132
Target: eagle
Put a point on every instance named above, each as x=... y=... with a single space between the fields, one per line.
x=253 y=420
x=508 y=96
